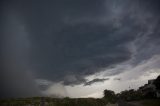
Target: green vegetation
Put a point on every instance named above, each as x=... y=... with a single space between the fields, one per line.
x=157 y=83
x=54 y=102
x=110 y=96
x=130 y=95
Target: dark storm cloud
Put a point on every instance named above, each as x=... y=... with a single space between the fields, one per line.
x=15 y=78
x=78 y=45
x=71 y=39
x=97 y=80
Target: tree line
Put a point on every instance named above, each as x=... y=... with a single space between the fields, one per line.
x=148 y=91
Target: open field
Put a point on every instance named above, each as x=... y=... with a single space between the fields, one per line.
x=53 y=102
x=36 y=101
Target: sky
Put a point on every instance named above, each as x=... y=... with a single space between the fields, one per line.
x=77 y=48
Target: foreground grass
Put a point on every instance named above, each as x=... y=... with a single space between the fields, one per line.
x=53 y=102
x=152 y=102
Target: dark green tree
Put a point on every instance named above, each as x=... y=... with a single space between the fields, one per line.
x=110 y=96
x=157 y=83
x=130 y=95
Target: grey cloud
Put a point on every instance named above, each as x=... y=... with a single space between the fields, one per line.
x=73 y=80
x=43 y=84
x=70 y=40
x=16 y=79
x=85 y=44
x=97 y=80
x=117 y=79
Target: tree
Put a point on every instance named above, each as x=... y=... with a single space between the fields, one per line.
x=157 y=83
x=109 y=95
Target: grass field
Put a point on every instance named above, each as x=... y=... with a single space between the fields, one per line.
x=69 y=102
x=53 y=102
